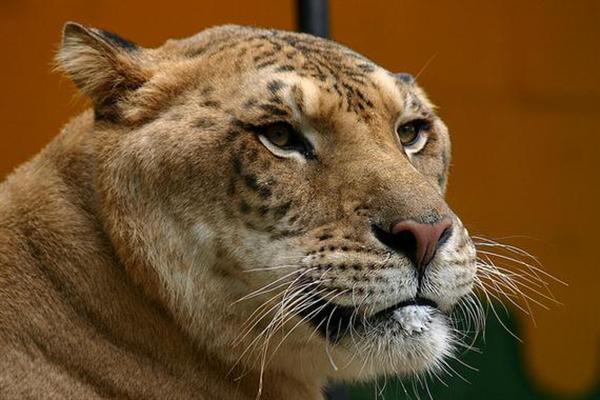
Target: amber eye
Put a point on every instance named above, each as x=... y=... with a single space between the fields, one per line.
x=285 y=137
x=410 y=132
x=279 y=134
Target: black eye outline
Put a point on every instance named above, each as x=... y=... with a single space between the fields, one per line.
x=418 y=126
x=297 y=142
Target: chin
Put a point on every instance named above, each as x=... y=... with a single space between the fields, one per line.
x=404 y=340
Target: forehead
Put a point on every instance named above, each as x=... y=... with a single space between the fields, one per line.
x=303 y=69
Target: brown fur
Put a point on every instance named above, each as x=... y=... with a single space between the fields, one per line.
x=127 y=243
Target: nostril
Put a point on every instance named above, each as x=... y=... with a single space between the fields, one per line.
x=403 y=242
x=417 y=241
x=444 y=236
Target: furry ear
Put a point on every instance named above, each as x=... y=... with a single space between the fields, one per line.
x=103 y=65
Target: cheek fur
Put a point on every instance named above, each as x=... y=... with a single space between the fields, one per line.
x=256 y=194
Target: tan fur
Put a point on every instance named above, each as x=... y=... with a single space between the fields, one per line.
x=131 y=246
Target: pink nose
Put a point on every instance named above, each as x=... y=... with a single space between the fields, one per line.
x=419 y=242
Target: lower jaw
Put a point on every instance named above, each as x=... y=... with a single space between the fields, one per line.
x=388 y=349
x=408 y=338
x=380 y=344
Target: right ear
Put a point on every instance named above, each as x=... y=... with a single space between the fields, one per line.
x=102 y=65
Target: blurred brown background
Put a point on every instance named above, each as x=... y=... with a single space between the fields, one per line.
x=518 y=83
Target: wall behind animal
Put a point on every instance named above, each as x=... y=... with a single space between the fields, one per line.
x=517 y=83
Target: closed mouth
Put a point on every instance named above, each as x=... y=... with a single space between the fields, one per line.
x=417 y=301
x=333 y=321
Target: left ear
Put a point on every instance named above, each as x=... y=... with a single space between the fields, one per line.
x=102 y=65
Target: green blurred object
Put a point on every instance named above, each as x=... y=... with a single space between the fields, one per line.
x=501 y=374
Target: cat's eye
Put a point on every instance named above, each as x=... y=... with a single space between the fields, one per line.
x=279 y=134
x=409 y=132
x=282 y=139
x=413 y=134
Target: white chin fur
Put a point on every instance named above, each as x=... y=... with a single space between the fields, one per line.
x=415 y=339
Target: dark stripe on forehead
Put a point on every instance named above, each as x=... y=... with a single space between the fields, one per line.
x=275 y=86
x=285 y=68
x=274 y=110
x=264 y=55
x=298 y=97
x=266 y=63
x=333 y=67
x=367 y=67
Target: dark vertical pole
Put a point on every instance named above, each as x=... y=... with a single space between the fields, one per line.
x=313 y=17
